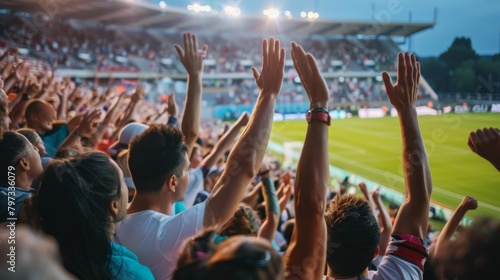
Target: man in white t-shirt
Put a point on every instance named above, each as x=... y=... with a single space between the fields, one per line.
x=158 y=162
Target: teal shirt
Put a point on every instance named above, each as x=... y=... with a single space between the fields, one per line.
x=53 y=139
x=125 y=265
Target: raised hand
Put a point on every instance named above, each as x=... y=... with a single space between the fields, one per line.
x=286 y=178
x=89 y=121
x=138 y=94
x=486 y=143
x=468 y=203
x=12 y=51
x=403 y=94
x=21 y=71
x=270 y=78
x=171 y=106
x=191 y=57
x=375 y=195
x=362 y=188
x=310 y=77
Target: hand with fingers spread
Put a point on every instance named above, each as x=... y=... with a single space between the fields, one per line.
x=403 y=94
x=270 y=78
x=89 y=121
x=171 y=106
x=191 y=57
x=486 y=143
x=310 y=77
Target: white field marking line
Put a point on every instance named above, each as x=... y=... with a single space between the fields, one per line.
x=399 y=178
x=377 y=133
x=347 y=146
x=453 y=148
x=391 y=136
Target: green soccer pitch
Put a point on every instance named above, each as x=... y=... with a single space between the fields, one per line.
x=371 y=148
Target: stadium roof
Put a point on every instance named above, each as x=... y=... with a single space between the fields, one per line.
x=145 y=15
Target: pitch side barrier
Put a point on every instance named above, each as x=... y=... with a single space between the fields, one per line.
x=291 y=152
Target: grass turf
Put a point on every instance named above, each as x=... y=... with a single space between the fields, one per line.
x=371 y=148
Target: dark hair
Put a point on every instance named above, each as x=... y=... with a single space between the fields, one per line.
x=353 y=235
x=13 y=146
x=72 y=204
x=154 y=155
x=473 y=254
x=251 y=258
x=29 y=133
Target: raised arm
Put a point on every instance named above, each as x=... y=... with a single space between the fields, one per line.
x=192 y=60
x=111 y=114
x=269 y=226
x=309 y=234
x=247 y=154
x=85 y=127
x=414 y=212
x=385 y=223
x=486 y=143
x=285 y=190
x=362 y=187
x=137 y=96
x=468 y=203
x=63 y=94
x=172 y=111
x=224 y=143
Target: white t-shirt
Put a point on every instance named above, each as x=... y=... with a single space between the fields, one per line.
x=157 y=238
x=404 y=259
x=196 y=184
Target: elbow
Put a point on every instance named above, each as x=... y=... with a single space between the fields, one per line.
x=191 y=135
x=315 y=204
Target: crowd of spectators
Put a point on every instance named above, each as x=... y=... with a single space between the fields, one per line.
x=88 y=45
x=128 y=189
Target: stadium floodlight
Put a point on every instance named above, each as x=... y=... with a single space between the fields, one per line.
x=288 y=14
x=162 y=4
x=197 y=8
x=312 y=15
x=309 y=15
x=271 y=13
x=232 y=11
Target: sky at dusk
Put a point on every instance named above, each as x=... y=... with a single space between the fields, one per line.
x=476 y=19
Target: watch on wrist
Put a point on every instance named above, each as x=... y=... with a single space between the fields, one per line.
x=318 y=114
